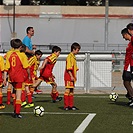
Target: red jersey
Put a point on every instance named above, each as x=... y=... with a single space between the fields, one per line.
x=1 y=68
x=47 y=70
x=15 y=64
x=128 y=57
x=71 y=65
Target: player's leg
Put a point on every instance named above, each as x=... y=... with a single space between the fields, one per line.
x=2 y=106
x=29 y=96
x=9 y=89
x=17 y=107
x=23 y=96
x=55 y=93
x=66 y=99
x=71 y=100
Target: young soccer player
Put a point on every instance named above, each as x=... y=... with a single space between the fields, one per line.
x=34 y=63
x=47 y=75
x=127 y=76
x=15 y=63
x=10 y=90
x=2 y=106
x=70 y=77
x=26 y=89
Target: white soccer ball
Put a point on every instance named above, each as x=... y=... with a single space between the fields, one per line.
x=38 y=111
x=113 y=96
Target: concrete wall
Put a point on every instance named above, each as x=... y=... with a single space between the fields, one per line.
x=65 y=24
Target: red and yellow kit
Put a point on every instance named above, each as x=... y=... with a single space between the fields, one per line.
x=34 y=64
x=46 y=73
x=1 y=70
x=128 y=57
x=15 y=63
x=71 y=65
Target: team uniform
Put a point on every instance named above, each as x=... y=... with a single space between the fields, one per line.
x=71 y=65
x=9 y=89
x=15 y=63
x=127 y=76
x=47 y=75
x=1 y=80
x=34 y=64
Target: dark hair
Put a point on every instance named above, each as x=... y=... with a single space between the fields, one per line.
x=124 y=31
x=38 y=52
x=56 y=49
x=28 y=28
x=16 y=43
x=23 y=48
x=11 y=43
x=130 y=26
x=75 y=46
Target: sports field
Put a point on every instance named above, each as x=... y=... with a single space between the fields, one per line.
x=96 y=114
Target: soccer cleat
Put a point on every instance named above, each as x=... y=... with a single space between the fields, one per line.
x=29 y=105
x=73 y=108
x=23 y=103
x=17 y=115
x=38 y=91
x=2 y=106
x=58 y=99
x=66 y=108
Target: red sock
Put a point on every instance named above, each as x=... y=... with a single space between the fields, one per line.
x=8 y=94
x=66 y=101
x=1 y=98
x=18 y=106
x=14 y=104
x=29 y=96
x=23 y=96
x=71 y=100
x=53 y=95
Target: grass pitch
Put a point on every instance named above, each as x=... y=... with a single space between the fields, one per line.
x=110 y=116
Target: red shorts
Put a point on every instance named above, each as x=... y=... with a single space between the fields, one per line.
x=69 y=84
x=48 y=80
x=17 y=85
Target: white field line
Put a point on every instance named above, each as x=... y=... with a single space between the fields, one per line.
x=84 y=124
x=82 y=96
x=53 y=113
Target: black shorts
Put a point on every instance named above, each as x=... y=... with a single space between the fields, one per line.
x=126 y=76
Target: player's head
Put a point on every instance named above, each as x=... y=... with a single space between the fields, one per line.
x=126 y=34
x=75 y=47
x=30 y=31
x=38 y=54
x=130 y=28
x=56 y=50
x=17 y=43
x=23 y=48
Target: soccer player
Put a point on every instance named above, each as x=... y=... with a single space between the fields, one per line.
x=70 y=77
x=26 y=84
x=47 y=75
x=34 y=63
x=2 y=106
x=10 y=89
x=127 y=75
x=15 y=63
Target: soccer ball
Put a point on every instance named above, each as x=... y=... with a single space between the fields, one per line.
x=38 y=111
x=113 y=96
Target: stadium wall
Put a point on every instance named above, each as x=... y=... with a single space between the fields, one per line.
x=65 y=24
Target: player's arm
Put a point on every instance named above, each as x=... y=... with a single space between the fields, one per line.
x=43 y=64
x=70 y=73
x=30 y=51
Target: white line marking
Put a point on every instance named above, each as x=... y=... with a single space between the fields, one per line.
x=84 y=124
x=54 y=113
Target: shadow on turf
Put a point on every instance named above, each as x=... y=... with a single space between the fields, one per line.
x=121 y=103
x=62 y=108
x=43 y=101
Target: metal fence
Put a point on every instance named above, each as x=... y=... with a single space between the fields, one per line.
x=97 y=70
